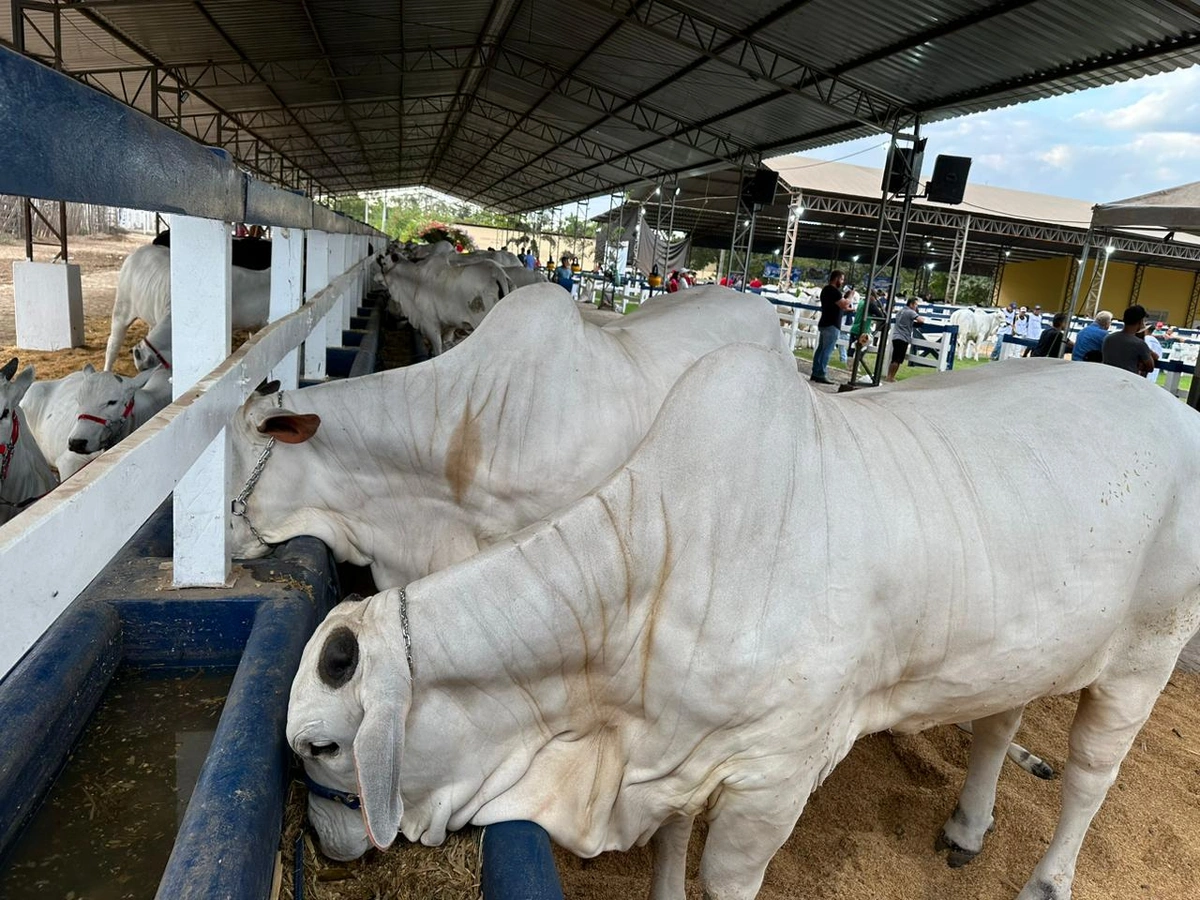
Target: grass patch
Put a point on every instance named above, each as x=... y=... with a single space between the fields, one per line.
x=906 y=371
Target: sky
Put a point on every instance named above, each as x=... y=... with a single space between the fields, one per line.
x=1099 y=145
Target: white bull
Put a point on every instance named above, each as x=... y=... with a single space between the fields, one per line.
x=441 y=300
x=24 y=473
x=975 y=327
x=417 y=468
x=144 y=292
x=697 y=638
x=109 y=407
x=50 y=409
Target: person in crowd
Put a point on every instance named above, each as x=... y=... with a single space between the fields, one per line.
x=724 y=281
x=1150 y=336
x=1010 y=315
x=867 y=312
x=829 y=326
x=1126 y=349
x=521 y=256
x=1050 y=340
x=755 y=284
x=1033 y=325
x=562 y=275
x=902 y=335
x=673 y=282
x=1089 y=341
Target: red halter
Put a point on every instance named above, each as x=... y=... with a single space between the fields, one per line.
x=162 y=360
x=6 y=450
x=87 y=417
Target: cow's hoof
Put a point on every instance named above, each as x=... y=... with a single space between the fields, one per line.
x=1042 y=769
x=956 y=856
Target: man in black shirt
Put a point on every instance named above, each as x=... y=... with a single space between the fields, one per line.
x=1051 y=339
x=833 y=307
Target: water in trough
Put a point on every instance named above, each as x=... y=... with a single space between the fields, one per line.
x=106 y=829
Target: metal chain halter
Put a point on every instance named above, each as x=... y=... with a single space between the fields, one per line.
x=238 y=507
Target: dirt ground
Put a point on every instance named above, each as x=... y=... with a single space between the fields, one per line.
x=99 y=258
x=868 y=832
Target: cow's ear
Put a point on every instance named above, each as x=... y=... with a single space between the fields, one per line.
x=266 y=388
x=22 y=383
x=10 y=369
x=89 y=369
x=385 y=691
x=289 y=427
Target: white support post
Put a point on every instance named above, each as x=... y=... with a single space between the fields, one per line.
x=349 y=301
x=337 y=319
x=316 y=254
x=287 y=293
x=360 y=250
x=201 y=317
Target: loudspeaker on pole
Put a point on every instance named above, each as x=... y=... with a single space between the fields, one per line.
x=905 y=163
x=949 y=179
x=760 y=187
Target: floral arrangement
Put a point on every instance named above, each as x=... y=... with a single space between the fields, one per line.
x=439 y=231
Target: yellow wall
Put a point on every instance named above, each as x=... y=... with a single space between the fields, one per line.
x=1168 y=290
x=1044 y=282
x=1040 y=282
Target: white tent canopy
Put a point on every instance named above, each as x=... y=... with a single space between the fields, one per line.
x=1173 y=209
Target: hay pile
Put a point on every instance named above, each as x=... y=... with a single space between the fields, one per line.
x=57 y=363
x=406 y=872
x=868 y=831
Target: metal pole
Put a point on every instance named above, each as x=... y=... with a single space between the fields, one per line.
x=671 y=226
x=961 y=257
x=906 y=210
x=1087 y=248
x=749 y=248
x=1100 y=286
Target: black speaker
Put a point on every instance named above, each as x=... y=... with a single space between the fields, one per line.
x=949 y=179
x=760 y=187
x=905 y=162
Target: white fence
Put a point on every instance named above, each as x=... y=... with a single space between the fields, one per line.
x=53 y=550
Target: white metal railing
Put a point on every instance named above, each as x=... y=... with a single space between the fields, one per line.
x=50 y=553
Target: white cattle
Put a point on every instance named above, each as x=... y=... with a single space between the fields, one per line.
x=442 y=300
x=144 y=292
x=110 y=407
x=518 y=274
x=24 y=474
x=50 y=409
x=975 y=326
x=155 y=348
x=417 y=468
x=698 y=637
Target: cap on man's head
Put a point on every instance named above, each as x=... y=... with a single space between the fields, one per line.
x=1134 y=314
x=1037 y=307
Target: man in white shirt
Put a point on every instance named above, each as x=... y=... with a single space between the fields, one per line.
x=1033 y=324
x=1156 y=349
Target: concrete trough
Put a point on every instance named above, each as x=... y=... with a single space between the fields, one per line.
x=258 y=627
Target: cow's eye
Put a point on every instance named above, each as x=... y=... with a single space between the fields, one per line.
x=111 y=403
x=4 y=415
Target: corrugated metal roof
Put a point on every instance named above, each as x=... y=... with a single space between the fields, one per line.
x=523 y=103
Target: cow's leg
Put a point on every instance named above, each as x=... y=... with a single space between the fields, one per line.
x=964 y=831
x=1111 y=712
x=670 y=844
x=746 y=827
x=116 y=335
x=1030 y=762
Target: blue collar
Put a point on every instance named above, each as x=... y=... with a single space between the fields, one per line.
x=346 y=798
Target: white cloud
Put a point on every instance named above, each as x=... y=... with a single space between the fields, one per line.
x=1168 y=100
x=1060 y=156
